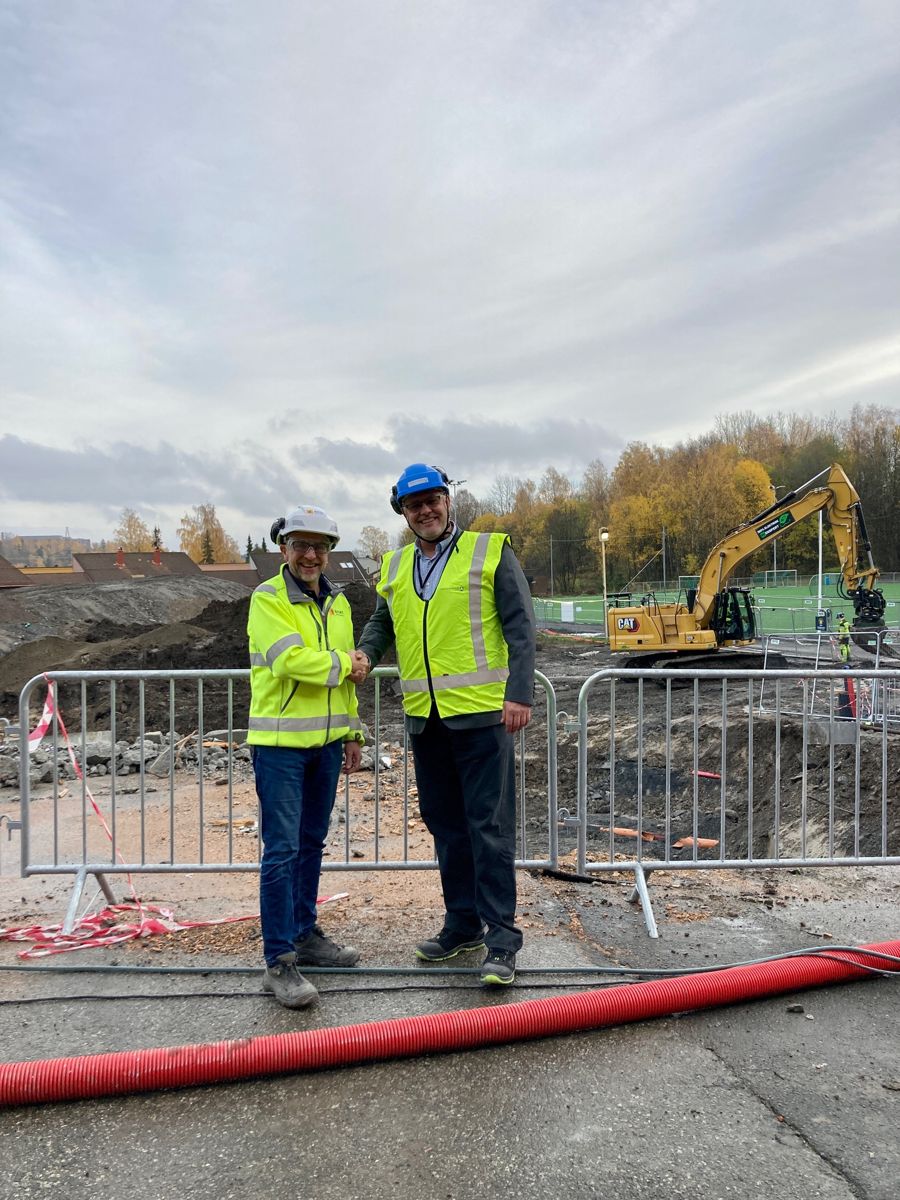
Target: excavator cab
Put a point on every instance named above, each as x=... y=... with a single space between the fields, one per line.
x=733 y=619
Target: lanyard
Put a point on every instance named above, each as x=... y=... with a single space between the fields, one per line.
x=421 y=582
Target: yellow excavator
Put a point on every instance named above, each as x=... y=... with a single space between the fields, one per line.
x=715 y=615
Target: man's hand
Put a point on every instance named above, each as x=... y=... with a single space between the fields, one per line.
x=352 y=756
x=360 y=666
x=515 y=716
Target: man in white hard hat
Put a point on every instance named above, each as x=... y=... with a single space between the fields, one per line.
x=303 y=731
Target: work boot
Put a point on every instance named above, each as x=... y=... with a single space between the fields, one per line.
x=288 y=985
x=499 y=967
x=447 y=944
x=317 y=950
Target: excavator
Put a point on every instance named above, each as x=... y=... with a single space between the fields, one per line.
x=717 y=616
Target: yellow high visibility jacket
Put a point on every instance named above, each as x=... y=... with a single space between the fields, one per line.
x=300 y=694
x=450 y=647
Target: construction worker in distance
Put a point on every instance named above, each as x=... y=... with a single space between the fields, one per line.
x=458 y=606
x=303 y=731
x=844 y=637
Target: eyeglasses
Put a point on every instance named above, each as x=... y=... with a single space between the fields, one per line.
x=300 y=546
x=432 y=500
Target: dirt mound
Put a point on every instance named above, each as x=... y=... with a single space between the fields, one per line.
x=215 y=639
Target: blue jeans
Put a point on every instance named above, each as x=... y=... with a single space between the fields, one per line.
x=296 y=790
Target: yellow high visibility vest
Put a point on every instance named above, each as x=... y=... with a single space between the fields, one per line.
x=300 y=694
x=451 y=646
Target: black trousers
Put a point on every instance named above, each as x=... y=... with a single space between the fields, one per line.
x=467 y=796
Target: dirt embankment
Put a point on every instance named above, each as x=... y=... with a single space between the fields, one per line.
x=97 y=635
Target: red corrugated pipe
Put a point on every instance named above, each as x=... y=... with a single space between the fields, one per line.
x=147 y=1070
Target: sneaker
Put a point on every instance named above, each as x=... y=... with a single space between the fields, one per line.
x=288 y=985
x=317 y=950
x=499 y=967
x=448 y=944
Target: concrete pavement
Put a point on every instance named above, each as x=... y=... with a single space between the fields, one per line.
x=752 y=1100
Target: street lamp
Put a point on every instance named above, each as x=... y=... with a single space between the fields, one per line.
x=775 y=487
x=604 y=538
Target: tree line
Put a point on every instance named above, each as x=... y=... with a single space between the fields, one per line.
x=664 y=507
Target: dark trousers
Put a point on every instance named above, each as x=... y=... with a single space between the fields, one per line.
x=296 y=790
x=467 y=796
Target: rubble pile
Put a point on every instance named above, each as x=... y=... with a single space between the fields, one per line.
x=157 y=753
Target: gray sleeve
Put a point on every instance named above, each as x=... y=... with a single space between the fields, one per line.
x=516 y=613
x=378 y=633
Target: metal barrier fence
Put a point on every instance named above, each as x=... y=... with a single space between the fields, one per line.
x=672 y=769
x=870 y=705
x=140 y=813
x=682 y=770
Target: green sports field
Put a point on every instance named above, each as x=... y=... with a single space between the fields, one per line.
x=779 y=609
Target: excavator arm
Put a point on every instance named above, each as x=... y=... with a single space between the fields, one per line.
x=841 y=505
x=717 y=615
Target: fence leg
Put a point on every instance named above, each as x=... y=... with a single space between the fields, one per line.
x=74 y=900
x=77 y=890
x=642 y=893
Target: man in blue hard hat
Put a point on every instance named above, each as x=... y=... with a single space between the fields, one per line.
x=458 y=607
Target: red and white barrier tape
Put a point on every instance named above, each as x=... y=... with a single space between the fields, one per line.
x=110 y=926
x=37 y=734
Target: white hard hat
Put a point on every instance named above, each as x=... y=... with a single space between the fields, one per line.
x=307 y=518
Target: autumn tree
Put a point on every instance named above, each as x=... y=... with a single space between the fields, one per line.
x=200 y=531
x=132 y=533
x=373 y=542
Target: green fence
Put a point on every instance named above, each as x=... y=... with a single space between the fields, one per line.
x=778 y=609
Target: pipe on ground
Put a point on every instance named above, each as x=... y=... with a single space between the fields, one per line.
x=131 y=1071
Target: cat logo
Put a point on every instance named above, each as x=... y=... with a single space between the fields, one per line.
x=628 y=624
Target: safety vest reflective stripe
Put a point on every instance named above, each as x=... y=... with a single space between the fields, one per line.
x=285 y=643
x=303 y=724
x=478 y=646
x=468 y=679
x=391 y=579
x=266 y=587
x=257 y=660
x=334 y=675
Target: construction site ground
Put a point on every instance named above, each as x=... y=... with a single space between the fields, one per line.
x=793 y=1096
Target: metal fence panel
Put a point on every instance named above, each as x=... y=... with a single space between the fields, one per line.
x=687 y=770
x=156 y=777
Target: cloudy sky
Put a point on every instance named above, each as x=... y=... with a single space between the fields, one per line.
x=258 y=254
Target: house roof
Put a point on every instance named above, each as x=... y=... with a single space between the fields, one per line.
x=102 y=567
x=234 y=572
x=11 y=576
x=342 y=566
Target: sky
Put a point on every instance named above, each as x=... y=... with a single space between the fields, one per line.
x=257 y=255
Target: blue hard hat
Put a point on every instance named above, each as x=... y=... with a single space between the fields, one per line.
x=418 y=477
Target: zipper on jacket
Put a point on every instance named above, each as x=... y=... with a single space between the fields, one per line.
x=322 y=623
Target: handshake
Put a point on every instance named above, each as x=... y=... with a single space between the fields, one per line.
x=360 y=666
